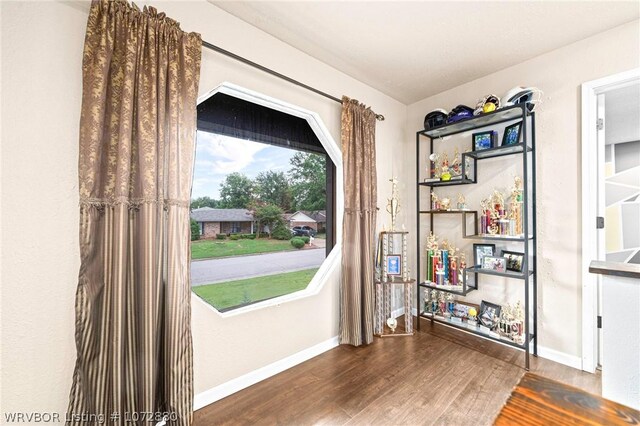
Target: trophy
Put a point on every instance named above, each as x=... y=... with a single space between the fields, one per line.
x=393 y=206
x=435 y=169
x=462 y=204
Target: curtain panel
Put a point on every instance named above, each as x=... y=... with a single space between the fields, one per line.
x=359 y=223
x=137 y=135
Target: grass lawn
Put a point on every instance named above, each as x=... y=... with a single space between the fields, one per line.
x=233 y=293
x=206 y=249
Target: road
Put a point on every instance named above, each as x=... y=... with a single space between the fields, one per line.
x=235 y=268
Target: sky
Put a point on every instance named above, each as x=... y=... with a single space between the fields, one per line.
x=217 y=156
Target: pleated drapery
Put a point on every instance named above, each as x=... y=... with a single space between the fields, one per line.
x=360 y=193
x=137 y=135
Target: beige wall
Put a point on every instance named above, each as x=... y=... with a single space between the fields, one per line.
x=559 y=74
x=41 y=88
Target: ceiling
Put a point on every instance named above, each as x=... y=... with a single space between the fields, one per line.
x=412 y=50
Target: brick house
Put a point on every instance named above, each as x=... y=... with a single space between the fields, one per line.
x=223 y=221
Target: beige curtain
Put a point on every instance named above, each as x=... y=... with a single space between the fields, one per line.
x=359 y=164
x=137 y=135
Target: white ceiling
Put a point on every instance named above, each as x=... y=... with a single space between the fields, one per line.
x=412 y=50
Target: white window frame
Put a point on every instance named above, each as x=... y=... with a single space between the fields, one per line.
x=333 y=261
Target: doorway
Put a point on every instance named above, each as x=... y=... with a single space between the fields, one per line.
x=610 y=190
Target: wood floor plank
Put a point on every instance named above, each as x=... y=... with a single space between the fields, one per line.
x=483 y=396
x=439 y=376
x=541 y=401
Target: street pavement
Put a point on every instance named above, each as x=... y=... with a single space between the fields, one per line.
x=236 y=268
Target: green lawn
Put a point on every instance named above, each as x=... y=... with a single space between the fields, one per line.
x=206 y=249
x=233 y=293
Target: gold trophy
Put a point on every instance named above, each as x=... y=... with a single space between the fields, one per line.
x=393 y=205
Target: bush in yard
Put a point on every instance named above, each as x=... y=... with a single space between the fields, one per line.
x=248 y=236
x=221 y=236
x=234 y=237
x=297 y=242
x=195 y=230
x=306 y=239
x=281 y=232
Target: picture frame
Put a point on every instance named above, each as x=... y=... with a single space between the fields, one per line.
x=496 y=264
x=515 y=260
x=394 y=264
x=489 y=315
x=484 y=140
x=512 y=134
x=482 y=250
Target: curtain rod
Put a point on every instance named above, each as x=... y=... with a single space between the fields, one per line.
x=215 y=48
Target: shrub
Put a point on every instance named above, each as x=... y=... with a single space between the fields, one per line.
x=221 y=237
x=306 y=239
x=248 y=236
x=234 y=237
x=195 y=230
x=297 y=242
x=281 y=232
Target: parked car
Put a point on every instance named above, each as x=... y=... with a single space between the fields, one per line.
x=303 y=231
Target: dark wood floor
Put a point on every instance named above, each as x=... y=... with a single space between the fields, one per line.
x=539 y=401
x=439 y=376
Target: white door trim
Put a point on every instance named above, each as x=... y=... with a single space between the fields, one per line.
x=590 y=91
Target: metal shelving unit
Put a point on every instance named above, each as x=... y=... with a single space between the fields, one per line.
x=526 y=151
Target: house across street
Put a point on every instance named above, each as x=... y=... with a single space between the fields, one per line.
x=240 y=221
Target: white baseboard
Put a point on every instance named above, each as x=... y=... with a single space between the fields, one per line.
x=232 y=386
x=560 y=357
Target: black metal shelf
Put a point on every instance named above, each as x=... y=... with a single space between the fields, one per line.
x=476 y=331
x=463 y=292
x=490 y=237
x=490 y=119
x=448 y=212
x=499 y=151
x=507 y=274
x=451 y=182
x=525 y=150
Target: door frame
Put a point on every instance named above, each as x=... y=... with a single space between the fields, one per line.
x=590 y=92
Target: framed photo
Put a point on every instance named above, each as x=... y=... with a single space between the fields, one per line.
x=512 y=134
x=482 y=250
x=484 y=140
x=489 y=314
x=497 y=264
x=515 y=260
x=394 y=264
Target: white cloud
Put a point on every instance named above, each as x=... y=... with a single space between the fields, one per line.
x=217 y=156
x=228 y=155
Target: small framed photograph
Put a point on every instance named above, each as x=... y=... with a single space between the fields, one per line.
x=497 y=264
x=512 y=134
x=482 y=250
x=484 y=140
x=515 y=260
x=489 y=314
x=394 y=262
